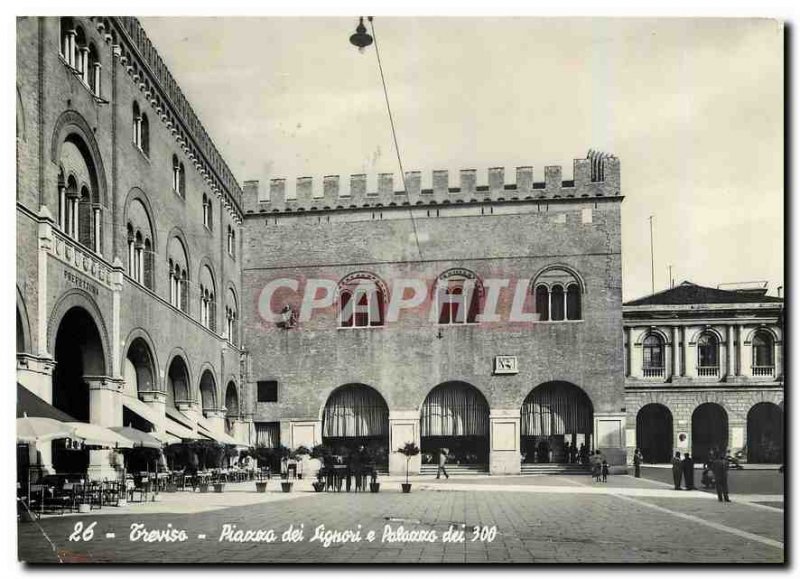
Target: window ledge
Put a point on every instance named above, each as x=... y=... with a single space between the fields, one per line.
x=360 y=327
x=141 y=152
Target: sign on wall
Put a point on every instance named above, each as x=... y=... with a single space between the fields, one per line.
x=505 y=365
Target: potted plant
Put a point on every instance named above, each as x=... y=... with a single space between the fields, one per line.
x=203 y=485
x=300 y=455
x=219 y=486
x=286 y=484
x=409 y=449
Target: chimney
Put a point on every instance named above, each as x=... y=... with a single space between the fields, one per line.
x=440 y=182
x=330 y=187
x=524 y=181
x=468 y=181
x=497 y=180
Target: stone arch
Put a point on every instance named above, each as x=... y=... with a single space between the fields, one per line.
x=357 y=398
x=187 y=389
x=23 y=325
x=558 y=266
x=665 y=336
x=177 y=232
x=654 y=432
x=207 y=387
x=748 y=338
x=137 y=194
x=765 y=433
x=142 y=334
x=71 y=123
x=233 y=403
x=78 y=298
x=709 y=430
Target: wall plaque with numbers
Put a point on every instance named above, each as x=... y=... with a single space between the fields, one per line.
x=505 y=365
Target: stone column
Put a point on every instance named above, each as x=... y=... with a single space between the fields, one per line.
x=105 y=409
x=504 y=441
x=685 y=356
x=676 y=351
x=730 y=353
x=609 y=438
x=404 y=427
x=157 y=400
x=97 y=239
x=216 y=419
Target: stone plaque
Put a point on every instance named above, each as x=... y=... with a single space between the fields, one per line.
x=505 y=365
x=609 y=433
x=504 y=435
x=303 y=435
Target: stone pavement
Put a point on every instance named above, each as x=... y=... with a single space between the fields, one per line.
x=532 y=519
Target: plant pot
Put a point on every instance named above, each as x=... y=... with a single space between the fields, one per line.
x=374 y=487
x=286 y=486
x=261 y=487
x=406 y=487
x=84 y=508
x=319 y=486
x=219 y=487
x=203 y=487
x=122 y=503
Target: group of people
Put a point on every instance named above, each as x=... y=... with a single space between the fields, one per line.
x=573 y=454
x=599 y=467
x=715 y=473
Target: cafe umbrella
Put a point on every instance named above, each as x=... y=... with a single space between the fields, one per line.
x=33 y=429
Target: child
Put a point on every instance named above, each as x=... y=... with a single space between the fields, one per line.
x=596 y=471
x=605 y=471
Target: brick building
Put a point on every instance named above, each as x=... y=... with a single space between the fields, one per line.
x=128 y=241
x=703 y=369
x=440 y=375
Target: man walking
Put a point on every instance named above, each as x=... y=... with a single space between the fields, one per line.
x=442 y=462
x=637 y=463
x=677 y=470
x=719 y=466
x=688 y=471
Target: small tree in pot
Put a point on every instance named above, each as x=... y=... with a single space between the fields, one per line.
x=409 y=449
x=286 y=484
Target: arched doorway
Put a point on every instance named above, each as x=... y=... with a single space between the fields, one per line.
x=654 y=433
x=765 y=434
x=555 y=417
x=78 y=355
x=177 y=382
x=139 y=372
x=208 y=392
x=356 y=415
x=232 y=410
x=455 y=416
x=709 y=430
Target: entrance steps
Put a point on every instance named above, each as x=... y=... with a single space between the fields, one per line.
x=554 y=468
x=456 y=469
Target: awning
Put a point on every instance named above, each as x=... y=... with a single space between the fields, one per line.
x=137 y=437
x=180 y=431
x=142 y=409
x=29 y=404
x=204 y=428
x=96 y=435
x=180 y=418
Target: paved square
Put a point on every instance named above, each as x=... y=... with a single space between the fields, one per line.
x=542 y=519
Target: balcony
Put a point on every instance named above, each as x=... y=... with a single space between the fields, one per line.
x=763 y=370
x=653 y=372
x=706 y=371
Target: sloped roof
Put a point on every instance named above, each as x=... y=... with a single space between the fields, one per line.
x=688 y=293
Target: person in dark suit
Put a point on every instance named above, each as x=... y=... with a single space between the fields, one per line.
x=677 y=470
x=688 y=471
x=719 y=466
x=637 y=463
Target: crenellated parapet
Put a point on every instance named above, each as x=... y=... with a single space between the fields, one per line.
x=597 y=175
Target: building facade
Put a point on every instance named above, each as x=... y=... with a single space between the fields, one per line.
x=704 y=369
x=370 y=364
x=128 y=241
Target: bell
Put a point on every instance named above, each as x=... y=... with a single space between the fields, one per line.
x=361 y=38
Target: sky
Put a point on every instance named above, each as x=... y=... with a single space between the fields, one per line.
x=693 y=108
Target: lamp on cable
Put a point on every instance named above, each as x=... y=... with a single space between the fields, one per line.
x=361 y=39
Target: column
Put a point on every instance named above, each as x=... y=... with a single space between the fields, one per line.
x=75 y=216
x=730 y=353
x=62 y=207
x=105 y=409
x=738 y=351
x=131 y=260
x=676 y=352
x=84 y=64
x=685 y=356
x=140 y=263
x=97 y=230
x=504 y=441
x=403 y=427
x=71 y=50
x=97 y=77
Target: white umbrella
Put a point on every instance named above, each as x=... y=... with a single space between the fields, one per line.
x=39 y=429
x=96 y=435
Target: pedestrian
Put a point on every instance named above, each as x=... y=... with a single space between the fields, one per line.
x=573 y=453
x=605 y=471
x=719 y=466
x=677 y=470
x=637 y=463
x=567 y=450
x=595 y=471
x=688 y=471
x=442 y=462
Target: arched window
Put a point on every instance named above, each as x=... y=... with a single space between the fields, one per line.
x=557 y=304
x=94 y=67
x=178 y=276
x=557 y=295
x=144 y=145
x=85 y=215
x=361 y=300
x=763 y=354
x=208 y=304
x=137 y=125
x=72 y=207
x=653 y=356
x=178 y=177
x=707 y=355
x=207 y=218
x=231 y=315
x=82 y=207
x=458 y=297
x=67 y=45
x=81 y=52
x=62 y=200
x=231 y=241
